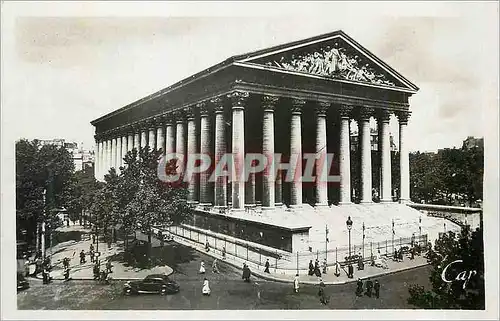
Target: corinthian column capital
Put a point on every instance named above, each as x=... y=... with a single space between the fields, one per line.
x=269 y=102
x=365 y=113
x=218 y=104
x=322 y=107
x=403 y=116
x=297 y=106
x=383 y=115
x=345 y=111
x=238 y=98
x=189 y=112
x=203 y=108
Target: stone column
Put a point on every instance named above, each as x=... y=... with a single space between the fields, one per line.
x=345 y=155
x=238 y=143
x=220 y=188
x=118 y=161
x=124 y=148
x=268 y=179
x=366 y=154
x=97 y=161
x=278 y=189
x=321 y=161
x=169 y=137
x=160 y=135
x=180 y=145
x=404 y=161
x=113 y=153
x=296 y=152
x=144 y=136
x=137 y=138
x=204 y=150
x=385 y=156
x=191 y=150
x=108 y=156
x=130 y=140
x=151 y=136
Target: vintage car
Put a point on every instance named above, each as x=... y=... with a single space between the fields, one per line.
x=153 y=283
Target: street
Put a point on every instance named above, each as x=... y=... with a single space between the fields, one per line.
x=228 y=291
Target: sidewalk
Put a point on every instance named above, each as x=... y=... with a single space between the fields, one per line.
x=329 y=278
x=71 y=249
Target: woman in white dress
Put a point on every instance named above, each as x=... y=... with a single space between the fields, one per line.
x=202 y=267
x=206 y=287
x=296 y=283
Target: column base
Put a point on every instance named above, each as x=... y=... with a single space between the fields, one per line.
x=250 y=205
x=205 y=204
x=268 y=208
x=404 y=201
x=295 y=205
x=321 y=205
x=237 y=209
x=345 y=203
x=386 y=201
x=220 y=207
x=278 y=204
x=366 y=202
x=192 y=202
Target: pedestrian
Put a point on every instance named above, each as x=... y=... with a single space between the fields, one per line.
x=96 y=271
x=350 y=271
x=109 y=266
x=66 y=262
x=412 y=253
x=206 y=287
x=266 y=270
x=202 y=268
x=324 y=266
x=223 y=252
x=91 y=253
x=66 y=274
x=296 y=283
x=369 y=287
x=215 y=269
x=376 y=287
x=207 y=246
x=311 y=267
x=337 y=269
x=359 y=287
x=91 y=249
x=317 y=271
x=361 y=264
x=246 y=273
x=400 y=254
x=321 y=292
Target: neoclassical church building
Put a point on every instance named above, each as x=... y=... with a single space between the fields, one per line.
x=291 y=99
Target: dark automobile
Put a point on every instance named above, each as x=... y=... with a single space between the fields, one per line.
x=154 y=283
x=22 y=283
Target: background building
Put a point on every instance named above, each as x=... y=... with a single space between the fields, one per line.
x=82 y=157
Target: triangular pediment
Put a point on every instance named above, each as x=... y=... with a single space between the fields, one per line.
x=335 y=56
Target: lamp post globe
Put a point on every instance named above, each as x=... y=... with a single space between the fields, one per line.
x=349 y=227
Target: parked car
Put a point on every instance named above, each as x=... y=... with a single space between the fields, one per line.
x=22 y=283
x=154 y=283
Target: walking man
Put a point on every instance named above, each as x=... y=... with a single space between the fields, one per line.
x=350 y=271
x=369 y=287
x=359 y=287
x=223 y=252
x=202 y=268
x=296 y=284
x=215 y=269
x=266 y=270
x=82 y=257
x=376 y=287
x=311 y=267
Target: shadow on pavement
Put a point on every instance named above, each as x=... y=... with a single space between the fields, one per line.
x=171 y=254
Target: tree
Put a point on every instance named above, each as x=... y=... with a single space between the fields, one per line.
x=460 y=293
x=40 y=168
x=154 y=202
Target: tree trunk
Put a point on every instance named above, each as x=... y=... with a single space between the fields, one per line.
x=37 y=235
x=149 y=245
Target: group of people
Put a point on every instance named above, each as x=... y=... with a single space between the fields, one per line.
x=314 y=268
x=370 y=287
x=102 y=275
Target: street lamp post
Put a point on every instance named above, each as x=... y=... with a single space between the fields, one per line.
x=393 y=232
x=419 y=229
x=363 y=239
x=326 y=244
x=349 y=227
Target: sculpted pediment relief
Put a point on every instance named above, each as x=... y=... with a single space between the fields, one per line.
x=333 y=59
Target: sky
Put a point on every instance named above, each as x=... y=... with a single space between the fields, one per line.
x=65 y=64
